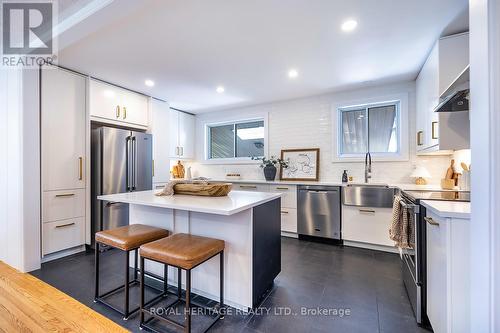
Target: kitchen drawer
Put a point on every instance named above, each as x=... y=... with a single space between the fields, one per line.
x=62 y=205
x=367 y=225
x=289 y=220
x=251 y=187
x=159 y=186
x=62 y=235
x=289 y=198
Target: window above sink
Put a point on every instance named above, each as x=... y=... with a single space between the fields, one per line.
x=378 y=126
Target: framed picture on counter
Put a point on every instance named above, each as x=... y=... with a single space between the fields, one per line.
x=303 y=164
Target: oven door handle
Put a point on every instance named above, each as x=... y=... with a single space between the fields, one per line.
x=416 y=217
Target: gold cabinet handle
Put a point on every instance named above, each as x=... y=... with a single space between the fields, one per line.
x=248 y=186
x=153 y=166
x=419 y=138
x=65 y=195
x=80 y=168
x=284 y=212
x=65 y=225
x=431 y=221
x=117 y=111
x=124 y=113
x=367 y=211
x=282 y=188
x=434 y=130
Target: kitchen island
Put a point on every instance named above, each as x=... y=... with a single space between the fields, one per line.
x=249 y=223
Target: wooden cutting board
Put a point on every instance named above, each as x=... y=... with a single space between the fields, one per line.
x=450 y=171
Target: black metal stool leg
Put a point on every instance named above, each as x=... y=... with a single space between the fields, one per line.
x=187 y=315
x=127 y=279
x=221 y=305
x=142 y=293
x=179 y=283
x=165 y=278
x=96 y=286
x=136 y=260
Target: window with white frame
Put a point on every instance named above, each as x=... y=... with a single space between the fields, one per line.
x=241 y=139
x=373 y=128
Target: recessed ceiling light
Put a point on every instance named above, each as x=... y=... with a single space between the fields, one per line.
x=220 y=89
x=349 y=25
x=149 y=83
x=292 y=73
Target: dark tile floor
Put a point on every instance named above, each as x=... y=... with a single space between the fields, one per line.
x=361 y=290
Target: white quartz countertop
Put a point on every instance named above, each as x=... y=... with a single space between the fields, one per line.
x=451 y=209
x=235 y=202
x=408 y=187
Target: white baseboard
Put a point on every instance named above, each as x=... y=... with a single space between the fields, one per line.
x=63 y=253
x=383 y=248
x=289 y=234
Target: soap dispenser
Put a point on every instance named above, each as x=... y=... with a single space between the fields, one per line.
x=344 y=177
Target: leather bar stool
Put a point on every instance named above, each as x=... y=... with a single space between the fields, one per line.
x=185 y=252
x=128 y=238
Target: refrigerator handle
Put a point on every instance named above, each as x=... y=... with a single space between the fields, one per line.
x=127 y=159
x=134 y=162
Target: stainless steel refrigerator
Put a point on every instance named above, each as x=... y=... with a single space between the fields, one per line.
x=121 y=162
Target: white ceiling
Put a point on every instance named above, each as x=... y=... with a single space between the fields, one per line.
x=189 y=47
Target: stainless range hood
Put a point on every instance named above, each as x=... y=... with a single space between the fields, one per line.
x=456 y=102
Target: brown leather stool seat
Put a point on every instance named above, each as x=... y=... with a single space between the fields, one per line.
x=185 y=252
x=127 y=239
x=182 y=250
x=130 y=237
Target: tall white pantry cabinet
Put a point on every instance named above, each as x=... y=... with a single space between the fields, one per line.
x=63 y=160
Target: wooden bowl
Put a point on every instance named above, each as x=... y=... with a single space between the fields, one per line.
x=206 y=190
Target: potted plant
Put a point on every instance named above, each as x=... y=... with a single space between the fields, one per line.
x=269 y=165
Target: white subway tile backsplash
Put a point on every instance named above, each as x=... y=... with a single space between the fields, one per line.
x=306 y=123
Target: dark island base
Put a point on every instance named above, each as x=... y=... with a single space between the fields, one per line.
x=266 y=248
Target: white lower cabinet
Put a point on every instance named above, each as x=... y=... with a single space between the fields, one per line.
x=61 y=205
x=251 y=187
x=289 y=220
x=61 y=235
x=288 y=202
x=367 y=225
x=448 y=274
x=289 y=198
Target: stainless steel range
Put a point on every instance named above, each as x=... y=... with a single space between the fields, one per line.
x=414 y=259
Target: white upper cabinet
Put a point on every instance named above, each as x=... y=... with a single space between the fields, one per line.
x=441 y=132
x=160 y=128
x=186 y=135
x=114 y=105
x=63 y=129
x=182 y=126
x=453 y=59
x=427 y=87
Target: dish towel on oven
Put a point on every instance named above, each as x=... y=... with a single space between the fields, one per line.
x=402 y=227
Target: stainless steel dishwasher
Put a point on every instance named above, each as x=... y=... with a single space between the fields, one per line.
x=318 y=211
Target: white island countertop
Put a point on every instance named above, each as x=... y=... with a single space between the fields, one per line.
x=235 y=202
x=451 y=209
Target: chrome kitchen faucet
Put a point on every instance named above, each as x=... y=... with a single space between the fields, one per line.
x=368 y=167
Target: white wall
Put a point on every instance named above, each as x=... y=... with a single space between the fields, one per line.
x=485 y=147
x=19 y=169
x=307 y=123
